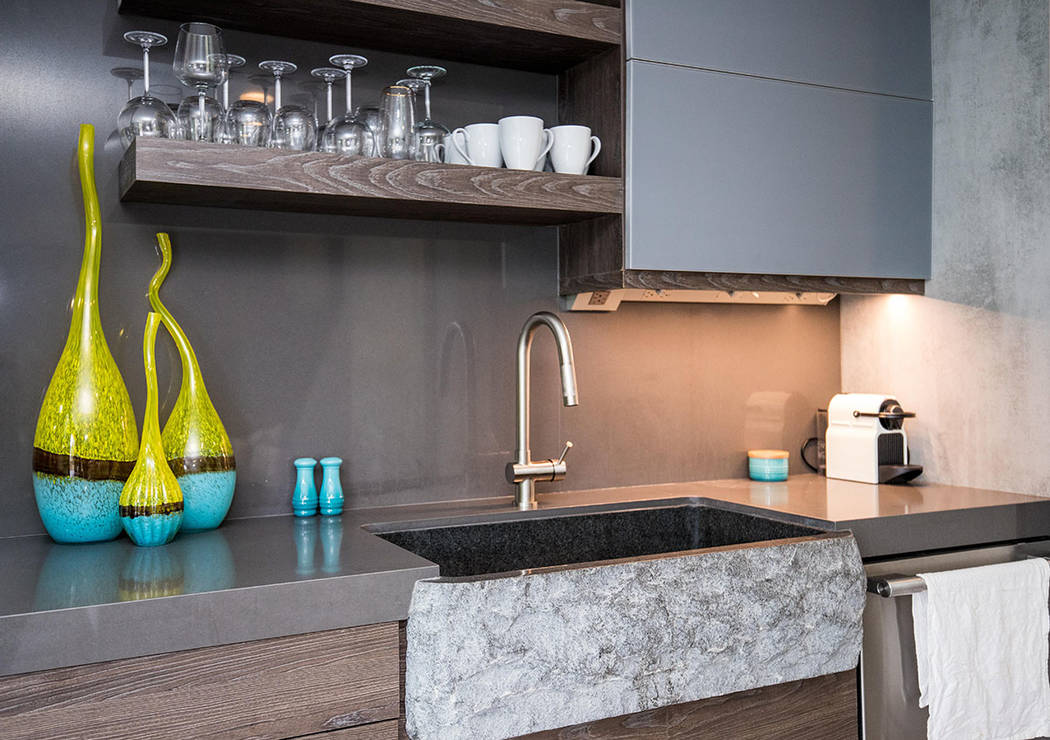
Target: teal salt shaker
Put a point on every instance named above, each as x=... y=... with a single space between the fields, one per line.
x=331 y=488
x=304 y=500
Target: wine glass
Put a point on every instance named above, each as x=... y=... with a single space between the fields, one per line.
x=429 y=133
x=329 y=75
x=146 y=115
x=294 y=127
x=346 y=134
x=129 y=75
x=397 y=106
x=200 y=62
x=224 y=133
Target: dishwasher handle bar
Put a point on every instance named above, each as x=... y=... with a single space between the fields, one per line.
x=892 y=585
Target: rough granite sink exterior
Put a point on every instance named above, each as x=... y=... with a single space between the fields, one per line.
x=548 y=621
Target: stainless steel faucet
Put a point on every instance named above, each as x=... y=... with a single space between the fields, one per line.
x=525 y=472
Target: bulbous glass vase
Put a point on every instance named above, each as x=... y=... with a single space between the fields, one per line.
x=151 y=501
x=85 y=443
x=195 y=441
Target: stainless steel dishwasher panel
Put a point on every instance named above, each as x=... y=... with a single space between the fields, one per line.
x=888 y=680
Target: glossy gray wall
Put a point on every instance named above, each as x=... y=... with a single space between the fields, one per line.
x=388 y=343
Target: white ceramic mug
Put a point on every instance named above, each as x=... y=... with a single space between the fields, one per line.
x=524 y=142
x=572 y=151
x=478 y=144
x=452 y=155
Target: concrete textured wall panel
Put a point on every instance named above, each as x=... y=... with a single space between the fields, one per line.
x=972 y=358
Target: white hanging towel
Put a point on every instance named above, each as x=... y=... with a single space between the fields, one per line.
x=981 y=648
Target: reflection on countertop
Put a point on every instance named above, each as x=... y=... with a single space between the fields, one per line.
x=83 y=575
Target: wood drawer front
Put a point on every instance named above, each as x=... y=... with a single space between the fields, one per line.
x=377 y=731
x=274 y=688
x=822 y=708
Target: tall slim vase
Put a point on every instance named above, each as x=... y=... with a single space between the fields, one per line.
x=85 y=442
x=151 y=502
x=195 y=442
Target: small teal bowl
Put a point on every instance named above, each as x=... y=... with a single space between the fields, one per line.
x=767 y=465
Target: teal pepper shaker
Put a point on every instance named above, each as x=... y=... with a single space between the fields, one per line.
x=331 y=488
x=304 y=499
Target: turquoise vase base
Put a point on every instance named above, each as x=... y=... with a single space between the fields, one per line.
x=78 y=510
x=152 y=529
x=206 y=498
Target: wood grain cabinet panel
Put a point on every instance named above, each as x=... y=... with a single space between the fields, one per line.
x=822 y=708
x=278 y=688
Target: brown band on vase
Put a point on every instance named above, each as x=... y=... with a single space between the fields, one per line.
x=70 y=466
x=171 y=507
x=216 y=464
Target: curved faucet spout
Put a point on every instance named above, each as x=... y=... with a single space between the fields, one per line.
x=524 y=472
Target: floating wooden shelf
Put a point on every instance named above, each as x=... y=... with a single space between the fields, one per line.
x=540 y=35
x=190 y=173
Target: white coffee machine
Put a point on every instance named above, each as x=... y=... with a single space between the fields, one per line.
x=866 y=441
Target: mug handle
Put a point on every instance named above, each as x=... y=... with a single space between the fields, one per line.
x=549 y=135
x=455 y=143
x=440 y=149
x=594 y=155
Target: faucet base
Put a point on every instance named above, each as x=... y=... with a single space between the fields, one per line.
x=525 y=495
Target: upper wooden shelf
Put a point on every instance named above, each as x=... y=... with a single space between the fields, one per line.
x=191 y=173
x=539 y=35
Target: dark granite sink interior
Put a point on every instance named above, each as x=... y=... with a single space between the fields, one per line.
x=494 y=547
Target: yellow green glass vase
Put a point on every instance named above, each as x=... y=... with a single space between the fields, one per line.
x=151 y=502
x=85 y=442
x=195 y=441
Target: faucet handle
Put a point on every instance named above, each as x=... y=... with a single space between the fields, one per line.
x=564 y=452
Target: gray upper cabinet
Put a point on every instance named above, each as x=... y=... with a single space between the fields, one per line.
x=736 y=174
x=878 y=46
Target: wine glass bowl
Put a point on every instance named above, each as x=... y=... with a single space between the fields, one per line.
x=200 y=59
x=200 y=123
x=146 y=115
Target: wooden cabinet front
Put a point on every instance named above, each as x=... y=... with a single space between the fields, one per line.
x=341 y=680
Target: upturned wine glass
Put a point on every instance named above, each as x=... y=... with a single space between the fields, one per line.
x=224 y=134
x=146 y=115
x=294 y=127
x=200 y=62
x=129 y=75
x=347 y=134
x=429 y=133
x=328 y=75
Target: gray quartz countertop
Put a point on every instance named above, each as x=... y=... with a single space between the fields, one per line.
x=250 y=579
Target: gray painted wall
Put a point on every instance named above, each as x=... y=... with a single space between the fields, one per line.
x=973 y=356
x=388 y=343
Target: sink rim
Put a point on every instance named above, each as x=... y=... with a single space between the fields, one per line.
x=513 y=515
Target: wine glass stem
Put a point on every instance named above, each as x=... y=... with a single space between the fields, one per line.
x=276 y=93
x=200 y=108
x=145 y=71
x=226 y=94
x=349 y=110
x=426 y=98
x=328 y=99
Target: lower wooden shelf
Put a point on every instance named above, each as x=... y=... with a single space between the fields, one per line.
x=204 y=174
